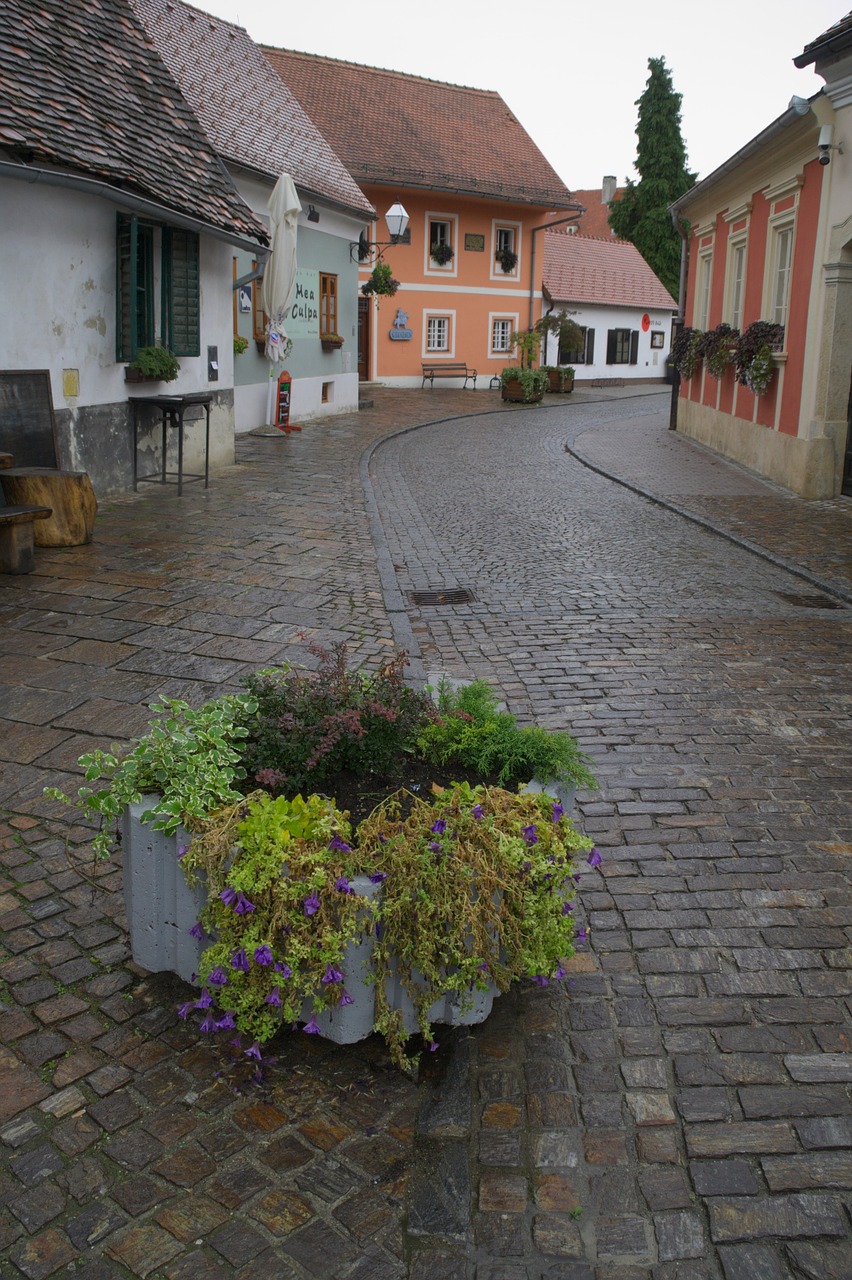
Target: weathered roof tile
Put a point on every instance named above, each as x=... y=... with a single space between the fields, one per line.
x=82 y=90
x=249 y=115
x=388 y=127
x=609 y=272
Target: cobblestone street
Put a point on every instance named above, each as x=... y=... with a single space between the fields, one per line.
x=680 y=1110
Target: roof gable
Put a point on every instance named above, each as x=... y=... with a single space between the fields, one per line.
x=82 y=90
x=409 y=131
x=251 y=117
x=608 y=272
x=595 y=220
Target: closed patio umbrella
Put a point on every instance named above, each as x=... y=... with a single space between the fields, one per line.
x=279 y=277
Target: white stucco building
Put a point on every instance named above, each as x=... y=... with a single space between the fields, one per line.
x=625 y=312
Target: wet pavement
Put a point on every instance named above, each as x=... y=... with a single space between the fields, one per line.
x=681 y=1109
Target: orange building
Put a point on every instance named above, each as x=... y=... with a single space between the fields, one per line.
x=477 y=192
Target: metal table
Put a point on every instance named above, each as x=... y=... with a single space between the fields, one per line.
x=172 y=410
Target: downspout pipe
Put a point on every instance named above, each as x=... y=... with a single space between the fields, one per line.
x=558 y=222
x=149 y=208
x=681 y=309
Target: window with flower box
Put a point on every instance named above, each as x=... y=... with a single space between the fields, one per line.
x=328 y=305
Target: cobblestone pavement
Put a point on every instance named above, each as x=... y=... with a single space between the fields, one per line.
x=682 y=1109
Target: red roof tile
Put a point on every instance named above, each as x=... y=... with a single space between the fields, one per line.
x=834 y=36
x=404 y=130
x=83 y=91
x=249 y=115
x=594 y=222
x=610 y=272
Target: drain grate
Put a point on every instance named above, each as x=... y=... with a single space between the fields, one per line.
x=803 y=600
x=455 y=595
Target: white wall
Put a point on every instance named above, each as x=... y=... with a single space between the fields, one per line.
x=651 y=362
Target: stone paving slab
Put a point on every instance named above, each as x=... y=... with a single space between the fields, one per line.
x=681 y=1109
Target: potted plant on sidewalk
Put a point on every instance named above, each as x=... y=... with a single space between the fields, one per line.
x=522 y=383
x=321 y=875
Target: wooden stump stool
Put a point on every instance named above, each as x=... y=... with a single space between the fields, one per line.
x=68 y=493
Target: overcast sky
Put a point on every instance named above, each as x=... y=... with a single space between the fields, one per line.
x=573 y=81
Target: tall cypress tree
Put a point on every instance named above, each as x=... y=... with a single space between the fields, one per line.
x=641 y=215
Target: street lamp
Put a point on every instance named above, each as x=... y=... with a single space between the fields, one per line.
x=365 y=250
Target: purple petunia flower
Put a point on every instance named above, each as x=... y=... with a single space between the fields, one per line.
x=208 y=1022
x=204 y=1001
x=378 y=877
x=529 y=834
x=346 y=999
x=561 y=972
x=283 y=968
x=541 y=980
x=557 y=812
x=567 y=908
x=332 y=974
x=434 y=846
x=273 y=998
x=254 y=1052
x=263 y=955
x=228 y=895
x=581 y=935
x=226 y=1023
x=243 y=906
x=239 y=960
x=478 y=812
x=196 y=931
x=218 y=977
x=342 y=885
x=183 y=850
x=434 y=1047
x=312 y=904
x=337 y=843
x=594 y=859
x=311 y=1027
x=440 y=826
x=183 y=1011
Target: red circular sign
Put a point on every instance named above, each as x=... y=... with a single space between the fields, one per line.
x=646 y=323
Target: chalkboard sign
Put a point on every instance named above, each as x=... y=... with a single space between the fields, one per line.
x=27 y=427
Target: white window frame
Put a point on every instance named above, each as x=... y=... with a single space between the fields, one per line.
x=503 y=224
x=704 y=288
x=439 y=313
x=736 y=283
x=501 y=317
x=431 y=268
x=779 y=274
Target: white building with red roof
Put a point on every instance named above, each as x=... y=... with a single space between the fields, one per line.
x=625 y=312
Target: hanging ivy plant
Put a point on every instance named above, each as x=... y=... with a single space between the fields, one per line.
x=754 y=354
x=508 y=260
x=685 y=353
x=717 y=347
x=381 y=282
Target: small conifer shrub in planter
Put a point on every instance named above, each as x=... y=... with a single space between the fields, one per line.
x=419 y=912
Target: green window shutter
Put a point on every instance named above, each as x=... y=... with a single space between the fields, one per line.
x=181 y=294
x=134 y=287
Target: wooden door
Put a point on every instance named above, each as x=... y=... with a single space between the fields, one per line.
x=364 y=309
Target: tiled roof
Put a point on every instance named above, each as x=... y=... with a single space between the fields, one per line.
x=81 y=90
x=610 y=272
x=834 y=34
x=252 y=118
x=404 y=130
x=594 y=221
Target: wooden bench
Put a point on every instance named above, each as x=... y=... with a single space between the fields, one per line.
x=447 y=369
x=17 y=540
x=67 y=494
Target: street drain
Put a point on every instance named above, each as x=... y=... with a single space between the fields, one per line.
x=458 y=595
x=802 y=600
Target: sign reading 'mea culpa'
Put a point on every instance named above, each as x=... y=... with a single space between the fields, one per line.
x=303 y=320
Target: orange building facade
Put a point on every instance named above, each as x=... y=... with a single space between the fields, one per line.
x=461 y=311
x=470 y=178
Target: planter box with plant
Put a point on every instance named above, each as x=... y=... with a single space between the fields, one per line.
x=507 y=259
x=523 y=386
x=349 y=843
x=331 y=341
x=152 y=364
x=442 y=254
x=560 y=378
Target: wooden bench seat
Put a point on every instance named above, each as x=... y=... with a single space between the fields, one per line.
x=17 y=541
x=446 y=369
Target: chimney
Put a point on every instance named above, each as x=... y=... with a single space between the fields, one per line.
x=608 y=188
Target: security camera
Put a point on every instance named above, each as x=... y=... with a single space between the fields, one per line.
x=824 y=157
x=824 y=144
